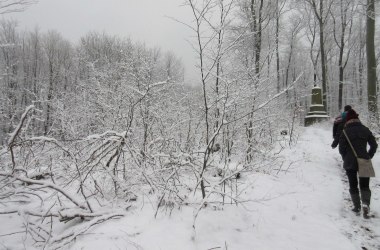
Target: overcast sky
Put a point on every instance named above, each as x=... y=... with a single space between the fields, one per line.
x=141 y=20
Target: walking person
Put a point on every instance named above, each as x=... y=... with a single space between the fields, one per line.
x=359 y=135
x=339 y=125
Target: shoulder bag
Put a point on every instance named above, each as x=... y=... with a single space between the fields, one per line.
x=364 y=165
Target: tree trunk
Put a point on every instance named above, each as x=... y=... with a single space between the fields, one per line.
x=323 y=63
x=277 y=45
x=371 y=61
x=319 y=14
x=49 y=99
x=256 y=29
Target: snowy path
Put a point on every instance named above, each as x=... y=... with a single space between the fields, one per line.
x=305 y=206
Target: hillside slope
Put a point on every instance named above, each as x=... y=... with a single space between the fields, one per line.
x=305 y=206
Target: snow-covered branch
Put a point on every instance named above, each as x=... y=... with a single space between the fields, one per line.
x=46 y=184
x=70 y=235
x=16 y=132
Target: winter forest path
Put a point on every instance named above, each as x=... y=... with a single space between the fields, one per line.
x=303 y=205
x=362 y=233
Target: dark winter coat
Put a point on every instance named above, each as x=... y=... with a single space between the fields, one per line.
x=359 y=136
x=337 y=122
x=337 y=131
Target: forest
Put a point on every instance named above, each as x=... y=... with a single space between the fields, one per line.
x=88 y=129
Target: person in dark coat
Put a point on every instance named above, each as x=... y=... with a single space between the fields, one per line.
x=339 y=125
x=359 y=135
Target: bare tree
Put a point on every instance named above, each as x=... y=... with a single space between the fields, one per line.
x=9 y=6
x=345 y=14
x=292 y=33
x=371 y=62
x=10 y=68
x=321 y=10
x=56 y=50
x=278 y=12
x=257 y=16
x=217 y=32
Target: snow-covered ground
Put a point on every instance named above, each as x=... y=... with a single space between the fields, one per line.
x=304 y=205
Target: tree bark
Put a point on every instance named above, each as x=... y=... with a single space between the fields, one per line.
x=371 y=61
x=277 y=45
x=321 y=17
x=323 y=56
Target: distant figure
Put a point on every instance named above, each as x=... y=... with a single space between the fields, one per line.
x=359 y=135
x=338 y=126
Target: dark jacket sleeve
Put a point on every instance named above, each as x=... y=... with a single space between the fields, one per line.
x=338 y=133
x=335 y=142
x=335 y=128
x=372 y=145
x=343 y=144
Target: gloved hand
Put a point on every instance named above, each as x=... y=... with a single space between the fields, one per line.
x=334 y=145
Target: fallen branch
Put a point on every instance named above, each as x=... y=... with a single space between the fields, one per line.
x=16 y=132
x=73 y=233
x=47 y=184
x=2 y=235
x=70 y=214
x=28 y=212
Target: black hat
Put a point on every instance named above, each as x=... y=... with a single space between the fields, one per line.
x=347 y=108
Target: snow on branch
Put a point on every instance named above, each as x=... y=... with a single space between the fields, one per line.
x=278 y=95
x=44 y=184
x=8 y=45
x=74 y=213
x=271 y=99
x=71 y=234
x=153 y=85
x=9 y=6
x=28 y=212
x=105 y=134
x=43 y=138
x=156 y=84
x=15 y=133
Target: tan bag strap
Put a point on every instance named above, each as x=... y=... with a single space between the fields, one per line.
x=349 y=142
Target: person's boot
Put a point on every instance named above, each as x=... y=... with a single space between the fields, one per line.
x=366 y=211
x=356 y=201
x=366 y=200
